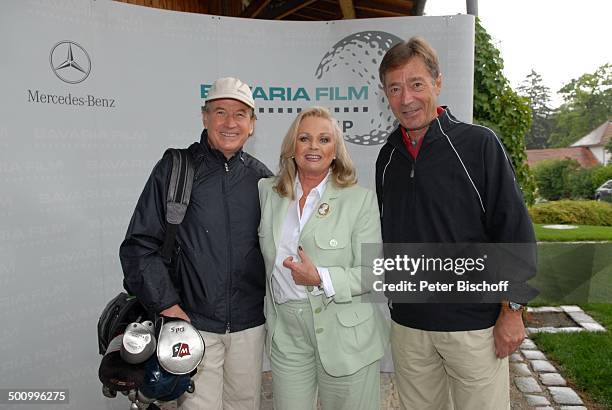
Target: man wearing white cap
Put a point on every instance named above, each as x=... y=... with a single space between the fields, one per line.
x=217 y=279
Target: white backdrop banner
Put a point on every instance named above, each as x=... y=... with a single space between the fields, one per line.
x=93 y=92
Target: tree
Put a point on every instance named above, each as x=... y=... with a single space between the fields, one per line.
x=587 y=104
x=582 y=183
x=499 y=107
x=553 y=176
x=539 y=101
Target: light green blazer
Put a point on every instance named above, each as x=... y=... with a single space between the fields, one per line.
x=349 y=334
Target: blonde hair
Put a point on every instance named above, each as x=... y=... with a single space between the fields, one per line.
x=342 y=169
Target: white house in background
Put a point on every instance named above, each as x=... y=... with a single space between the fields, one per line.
x=596 y=140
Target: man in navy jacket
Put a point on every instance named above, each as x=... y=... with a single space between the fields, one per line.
x=218 y=277
x=440 y=180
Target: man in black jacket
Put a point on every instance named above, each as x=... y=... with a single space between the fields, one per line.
x=440 y=180
x=218 y=278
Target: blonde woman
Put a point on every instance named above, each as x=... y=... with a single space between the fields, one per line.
x=321 y=337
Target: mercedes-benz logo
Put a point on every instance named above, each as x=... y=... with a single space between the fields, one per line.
x=70 y=62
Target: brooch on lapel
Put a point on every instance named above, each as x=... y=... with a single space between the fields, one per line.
x=323 y=209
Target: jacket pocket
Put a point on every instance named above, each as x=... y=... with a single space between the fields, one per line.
x=329 y=241
x=356 y=333
x=355 y=315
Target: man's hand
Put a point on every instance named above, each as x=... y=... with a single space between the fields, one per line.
x=175 y=311
x=509 y=331
x=304 y=272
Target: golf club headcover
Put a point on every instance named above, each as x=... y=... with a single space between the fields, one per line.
x=115 y=373
x=180 y=347
x=161 y=385
x=138 y=342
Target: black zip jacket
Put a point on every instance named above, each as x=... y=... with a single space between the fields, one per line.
x=219 y=275
x=432 y=199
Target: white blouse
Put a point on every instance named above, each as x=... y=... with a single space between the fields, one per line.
x=283 y=286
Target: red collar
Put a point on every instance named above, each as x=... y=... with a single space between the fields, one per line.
x=412 y=148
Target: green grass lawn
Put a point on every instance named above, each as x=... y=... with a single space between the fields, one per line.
x=578 y=274
x=582 y=233
x=573 y=273
x=585 y=358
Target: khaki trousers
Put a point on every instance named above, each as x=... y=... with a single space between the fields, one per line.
x=229 y=377
x=446 y=370
x=298 y=374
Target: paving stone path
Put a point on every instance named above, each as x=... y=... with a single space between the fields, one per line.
x=539 y=381
x=585 y=322
x=535 y=377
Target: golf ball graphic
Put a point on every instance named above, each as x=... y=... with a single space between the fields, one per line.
x=355 y=59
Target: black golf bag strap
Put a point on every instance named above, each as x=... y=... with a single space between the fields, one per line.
x=179 y=193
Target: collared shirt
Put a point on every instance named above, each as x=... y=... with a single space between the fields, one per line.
x=414 y=147
x=283 y=285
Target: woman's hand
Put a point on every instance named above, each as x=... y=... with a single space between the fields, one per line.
x=305 y=272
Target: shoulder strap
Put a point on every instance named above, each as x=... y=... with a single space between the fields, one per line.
x=179 y=193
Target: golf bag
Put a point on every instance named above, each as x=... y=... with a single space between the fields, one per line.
x=136 y=345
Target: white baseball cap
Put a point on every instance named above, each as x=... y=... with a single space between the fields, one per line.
x=230 y=87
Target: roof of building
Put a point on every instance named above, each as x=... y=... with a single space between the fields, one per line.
x=308 y=10
x=583 y=155
x=599 y=136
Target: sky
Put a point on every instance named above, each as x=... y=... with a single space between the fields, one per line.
x=559 y=39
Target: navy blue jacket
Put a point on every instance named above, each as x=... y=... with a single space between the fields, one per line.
x=219 y=275
x=461 y=188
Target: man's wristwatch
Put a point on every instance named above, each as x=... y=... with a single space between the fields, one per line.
x=515 y=307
